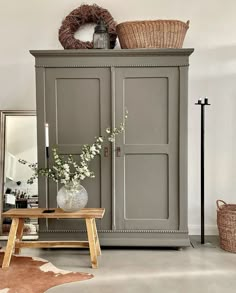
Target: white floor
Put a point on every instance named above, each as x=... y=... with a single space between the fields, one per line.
x=206 y=269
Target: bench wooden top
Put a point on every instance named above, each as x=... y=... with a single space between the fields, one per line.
x=86 y=213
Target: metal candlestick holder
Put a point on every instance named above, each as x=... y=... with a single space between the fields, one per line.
x=202 y=103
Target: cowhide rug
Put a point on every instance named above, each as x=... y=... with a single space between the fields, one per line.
x=34 y=275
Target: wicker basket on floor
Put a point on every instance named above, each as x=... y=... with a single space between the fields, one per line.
x=226 y=221
x=152 y=34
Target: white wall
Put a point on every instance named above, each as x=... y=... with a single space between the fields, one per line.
x=28 y=24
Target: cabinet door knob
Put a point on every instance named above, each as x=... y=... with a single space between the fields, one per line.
x=118 y=152
x=106 y=152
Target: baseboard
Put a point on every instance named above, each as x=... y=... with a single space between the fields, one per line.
x=25 y=237
x=209 y=230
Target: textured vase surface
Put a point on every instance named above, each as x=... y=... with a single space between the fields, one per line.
x=72 y=197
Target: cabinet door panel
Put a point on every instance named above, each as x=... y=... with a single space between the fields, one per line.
x=78 y=104
x=149 y=102
x=77 y=110
x=146 y=173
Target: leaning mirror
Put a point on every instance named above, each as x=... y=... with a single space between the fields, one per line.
x=18 y=141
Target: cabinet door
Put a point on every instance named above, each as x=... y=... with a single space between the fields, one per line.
x=77 y=110
x=146 y=173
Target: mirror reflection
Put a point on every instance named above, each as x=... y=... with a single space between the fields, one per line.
x=20 y=143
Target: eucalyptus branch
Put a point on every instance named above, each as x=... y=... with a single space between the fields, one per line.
x=68 y=170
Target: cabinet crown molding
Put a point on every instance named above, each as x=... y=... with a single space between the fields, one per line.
x=116 y=52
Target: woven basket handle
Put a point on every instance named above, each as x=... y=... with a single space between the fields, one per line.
x=220 y=201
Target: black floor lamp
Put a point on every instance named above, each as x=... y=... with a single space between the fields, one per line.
x=202 y=103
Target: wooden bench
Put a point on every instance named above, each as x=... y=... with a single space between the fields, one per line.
x=18 y=216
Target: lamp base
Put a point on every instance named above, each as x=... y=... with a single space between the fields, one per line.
x=211 y=242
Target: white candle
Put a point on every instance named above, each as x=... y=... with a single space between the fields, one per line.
x=46 y=135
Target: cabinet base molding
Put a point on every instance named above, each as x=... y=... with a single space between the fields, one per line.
x=114 y=238
x=116 y=231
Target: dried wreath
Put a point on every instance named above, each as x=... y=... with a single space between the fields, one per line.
x=83 y=15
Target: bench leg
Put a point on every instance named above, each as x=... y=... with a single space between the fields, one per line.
x=19 y=234
x=98 y=248
x=92 y=242
x=10 y=243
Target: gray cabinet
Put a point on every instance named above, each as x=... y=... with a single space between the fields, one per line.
x=142 y=182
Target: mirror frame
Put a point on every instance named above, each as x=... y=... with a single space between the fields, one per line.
x=3 y=115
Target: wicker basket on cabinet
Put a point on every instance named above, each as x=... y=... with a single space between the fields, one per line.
x=152 y=34
x=226 y=221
